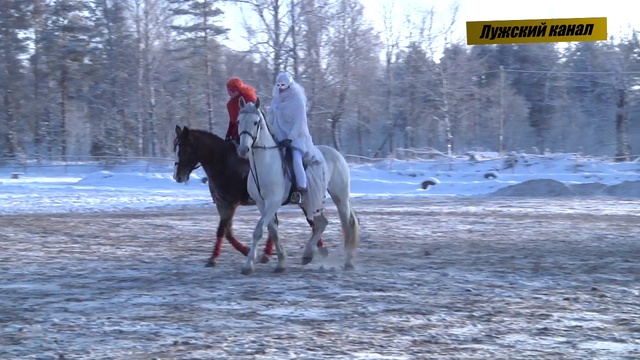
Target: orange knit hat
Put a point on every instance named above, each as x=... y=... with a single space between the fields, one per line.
x=235 y=83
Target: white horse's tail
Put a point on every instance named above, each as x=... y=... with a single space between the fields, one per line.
x=340 y=188
x=350 y=227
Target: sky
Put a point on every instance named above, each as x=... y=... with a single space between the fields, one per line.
x=54 y=188
x=621 y=15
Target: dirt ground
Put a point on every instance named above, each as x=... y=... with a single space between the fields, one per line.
x=445 y=278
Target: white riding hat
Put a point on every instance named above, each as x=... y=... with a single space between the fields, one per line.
x=284 y=80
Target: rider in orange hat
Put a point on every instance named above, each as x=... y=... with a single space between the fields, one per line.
x=236 y=89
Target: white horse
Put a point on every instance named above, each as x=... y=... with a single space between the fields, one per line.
x=269 y=186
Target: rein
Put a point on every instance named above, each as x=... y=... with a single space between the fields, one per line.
x=254 y=174
x=255 y=138
x=197 y=165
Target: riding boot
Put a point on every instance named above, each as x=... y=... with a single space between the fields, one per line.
x=301 y=178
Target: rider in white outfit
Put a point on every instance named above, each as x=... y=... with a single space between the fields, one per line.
x=288 y=118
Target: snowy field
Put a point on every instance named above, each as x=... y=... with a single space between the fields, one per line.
x=84 y=187
x=541 y=262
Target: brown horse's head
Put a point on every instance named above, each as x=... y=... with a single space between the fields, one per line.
x=186 y=153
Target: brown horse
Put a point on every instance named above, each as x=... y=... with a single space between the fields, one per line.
x=227 y=174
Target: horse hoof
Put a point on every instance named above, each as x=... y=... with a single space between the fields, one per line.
x=264 y=259
x=210 y=263
x=246 y=271
x=279 y=270
x=349 y=267
x=323 y=251
x=307 y=260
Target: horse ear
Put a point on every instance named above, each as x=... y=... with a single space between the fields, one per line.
x=257 y=102
x=242 y=102
x=185 y=131
x=178 y=131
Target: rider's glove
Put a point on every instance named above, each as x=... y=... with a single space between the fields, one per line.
x=285 y=143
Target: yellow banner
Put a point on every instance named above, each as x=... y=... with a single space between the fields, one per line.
x=536 y=31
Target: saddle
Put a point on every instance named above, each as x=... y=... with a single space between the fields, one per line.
x=241 y=167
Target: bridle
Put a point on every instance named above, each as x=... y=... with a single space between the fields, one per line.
x=192 y=164
x=193 y=167
x=254 y=138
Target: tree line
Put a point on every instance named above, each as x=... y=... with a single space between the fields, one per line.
x=114 y=77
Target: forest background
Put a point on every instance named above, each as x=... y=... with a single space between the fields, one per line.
x=112 y=78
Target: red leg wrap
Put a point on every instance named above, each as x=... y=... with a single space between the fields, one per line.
x=268 y=248
x=239 y=246
x=217 y=248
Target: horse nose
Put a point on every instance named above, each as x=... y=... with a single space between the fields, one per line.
x=242 y=151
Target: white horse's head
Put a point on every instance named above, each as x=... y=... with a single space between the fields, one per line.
x=250 y=124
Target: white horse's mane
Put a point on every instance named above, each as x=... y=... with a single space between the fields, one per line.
x=250 y=108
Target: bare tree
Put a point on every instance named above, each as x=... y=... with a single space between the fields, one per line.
x=151 y=18
x=628 y=54
x=623 y=147
x=40 y=122
x=314 y=25
x=65 y=56
x=13 y=22
x=391 y=45
x=199 y=34
x=351 y=43
x=270 y=38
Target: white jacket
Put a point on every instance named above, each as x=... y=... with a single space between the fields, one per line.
x=288 y=117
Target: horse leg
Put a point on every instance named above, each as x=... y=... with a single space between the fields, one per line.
x=257 y=234
x=217 y=247
x=320 y=223
x=322 y=250
x=226 y=222
x=243 y=249
x=222 y=226
x=268 y=213
x=268 y=248
x=282 y=254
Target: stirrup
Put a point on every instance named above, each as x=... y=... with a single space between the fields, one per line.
x=296 y=197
